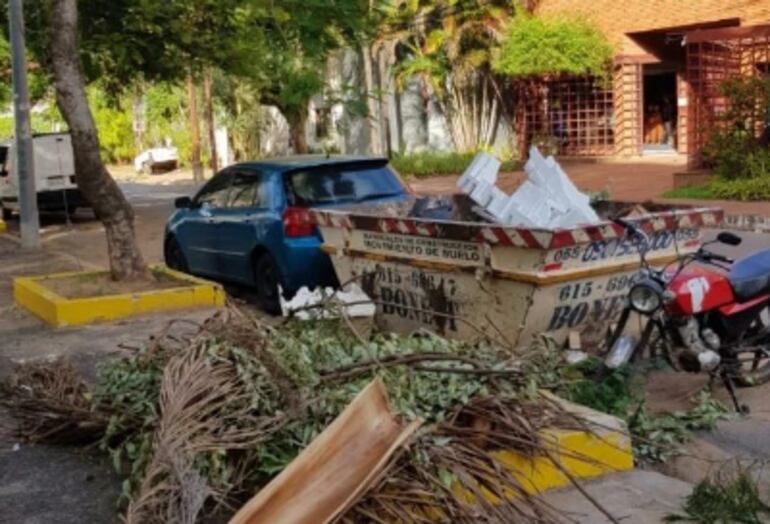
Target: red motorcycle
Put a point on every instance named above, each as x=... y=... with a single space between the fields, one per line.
x=705 y=313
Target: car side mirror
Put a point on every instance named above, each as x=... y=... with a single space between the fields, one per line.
x=184 y=202
x=729 y=238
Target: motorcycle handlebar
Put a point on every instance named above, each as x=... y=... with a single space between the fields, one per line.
x=709 y=256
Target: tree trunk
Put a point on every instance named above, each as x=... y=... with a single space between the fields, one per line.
x=208 y=107
x=137 y=116
x=93 y=180
x=195 y=130
x=297 y=131
x=372 y=113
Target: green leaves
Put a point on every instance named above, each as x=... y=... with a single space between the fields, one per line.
x=737 y=146
x=725 y=498
x=657 y=438
x=552 y=46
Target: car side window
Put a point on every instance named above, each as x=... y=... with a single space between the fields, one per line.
x=215 y=193
x=245 y=190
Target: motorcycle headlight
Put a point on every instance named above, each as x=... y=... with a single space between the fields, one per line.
x=645 y=297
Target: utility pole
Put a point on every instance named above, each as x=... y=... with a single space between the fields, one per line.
x=24 y=161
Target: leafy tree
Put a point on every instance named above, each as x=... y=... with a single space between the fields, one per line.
x=115 y=126
x=304 y=33
x=739 y=141
x=5 y=68
x=536 y=46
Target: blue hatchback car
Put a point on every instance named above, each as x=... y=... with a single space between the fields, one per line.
x=250 y=225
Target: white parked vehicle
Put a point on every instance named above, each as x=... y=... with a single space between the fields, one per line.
x=157 y=160
x=54 y=175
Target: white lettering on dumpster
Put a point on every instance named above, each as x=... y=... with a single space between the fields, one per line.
x=416 y=246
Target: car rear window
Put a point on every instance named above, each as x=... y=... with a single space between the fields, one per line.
x=341 y=185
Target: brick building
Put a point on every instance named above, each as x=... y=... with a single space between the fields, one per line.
x=671 y=57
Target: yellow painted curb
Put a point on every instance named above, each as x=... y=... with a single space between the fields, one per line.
x=32 y=294
x=602 y=448
x=3 y=227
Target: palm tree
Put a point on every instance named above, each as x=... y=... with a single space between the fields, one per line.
x=448 y=45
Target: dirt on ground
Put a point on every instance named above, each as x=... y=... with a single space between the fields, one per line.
x=102 y=284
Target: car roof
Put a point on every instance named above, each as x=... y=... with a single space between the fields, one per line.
x=293 y=163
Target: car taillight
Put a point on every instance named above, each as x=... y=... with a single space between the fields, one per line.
x=297 y=222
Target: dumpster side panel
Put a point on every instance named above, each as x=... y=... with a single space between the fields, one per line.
x=457 y=304
x=470 y=281
x=586 y=306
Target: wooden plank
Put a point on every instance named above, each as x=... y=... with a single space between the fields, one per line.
x=331 y=474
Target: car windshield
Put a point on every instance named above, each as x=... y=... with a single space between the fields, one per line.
x=339 y=185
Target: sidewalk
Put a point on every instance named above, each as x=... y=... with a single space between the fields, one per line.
x=626 y=181
x=633 y=497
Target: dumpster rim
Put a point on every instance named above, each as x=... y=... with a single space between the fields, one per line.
x=531 y=238
x=540 y=278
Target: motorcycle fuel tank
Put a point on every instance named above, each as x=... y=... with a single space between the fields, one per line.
x=697 y=289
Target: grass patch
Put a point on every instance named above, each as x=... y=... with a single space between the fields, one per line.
x=726 y=498
x=742 y=189
x=700 y=192
x=420 y=165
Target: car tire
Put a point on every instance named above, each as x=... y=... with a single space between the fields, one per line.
x=174 y=257
x=267 y=278
x=7 y=213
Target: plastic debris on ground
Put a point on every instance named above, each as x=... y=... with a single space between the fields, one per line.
x=307 y=305
x=547 y=199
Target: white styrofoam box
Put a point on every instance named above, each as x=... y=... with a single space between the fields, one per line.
x=548 y=174
x=482 y=194
x=533 y=202
x=547 y=199
x=355 y=301
x=498 y=203
x=482 y=172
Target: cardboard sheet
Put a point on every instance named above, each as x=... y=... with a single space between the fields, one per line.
x=331 y=474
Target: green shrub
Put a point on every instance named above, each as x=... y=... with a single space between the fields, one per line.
x=433 y=164
x=115 y=125
x=550 y=46
x=725 y=498
x=736 y=149
x=742 y=189
x=612 y=394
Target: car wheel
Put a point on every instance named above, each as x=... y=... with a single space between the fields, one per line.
x=267 y=278
x=7 y=213
x=174 y=256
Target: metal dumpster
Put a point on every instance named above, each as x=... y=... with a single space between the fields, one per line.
x=473 y=280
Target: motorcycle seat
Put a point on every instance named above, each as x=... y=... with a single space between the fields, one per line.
x=750 y=276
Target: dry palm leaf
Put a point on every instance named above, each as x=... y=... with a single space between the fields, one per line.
x=49 y=402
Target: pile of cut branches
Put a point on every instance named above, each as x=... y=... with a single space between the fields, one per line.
x=198 y=421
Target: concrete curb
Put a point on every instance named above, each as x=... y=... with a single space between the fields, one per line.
x=57 y=311
x=602 y=448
